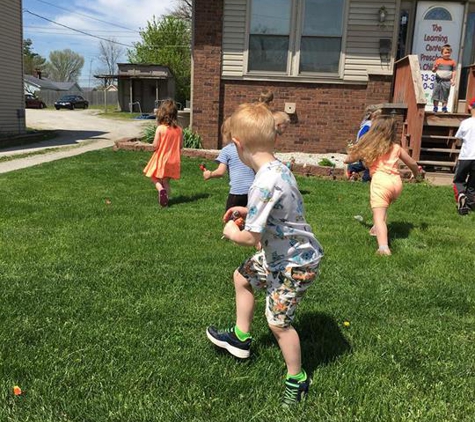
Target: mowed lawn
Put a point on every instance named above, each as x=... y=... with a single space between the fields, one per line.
x=105 y=299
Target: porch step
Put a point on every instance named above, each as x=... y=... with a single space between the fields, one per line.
x=447 y=150
x=444 y=137
x=437 y=163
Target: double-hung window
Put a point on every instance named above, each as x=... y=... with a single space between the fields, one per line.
x=295 y=37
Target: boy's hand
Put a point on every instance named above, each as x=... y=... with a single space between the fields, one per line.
x=229 y=213
x=206 y=174
x=230 y=229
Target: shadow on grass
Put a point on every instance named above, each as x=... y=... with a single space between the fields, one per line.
x=321 y=340
x=182 y=199
x=399 y=229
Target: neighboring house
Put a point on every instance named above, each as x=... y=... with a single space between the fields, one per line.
x=12 y=99
x=50 y=91
x=141 y=85
x=324 y=60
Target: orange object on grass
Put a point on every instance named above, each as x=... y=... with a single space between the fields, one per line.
x=16 y=390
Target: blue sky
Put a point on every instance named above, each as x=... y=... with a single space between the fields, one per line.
x=117 y=19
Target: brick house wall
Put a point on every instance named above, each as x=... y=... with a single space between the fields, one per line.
x=327 y=115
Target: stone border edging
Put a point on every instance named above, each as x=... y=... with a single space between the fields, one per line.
x=134 y=144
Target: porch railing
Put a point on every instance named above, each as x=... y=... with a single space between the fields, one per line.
x=407 y=89
x=470 y=84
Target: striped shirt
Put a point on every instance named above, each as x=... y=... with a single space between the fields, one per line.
x=240 y=175
x=445 y=68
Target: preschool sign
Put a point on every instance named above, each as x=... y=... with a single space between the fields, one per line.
x=437 y=23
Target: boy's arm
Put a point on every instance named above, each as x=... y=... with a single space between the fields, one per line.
x=219 y=172
x=243 y=238
x=435 y=67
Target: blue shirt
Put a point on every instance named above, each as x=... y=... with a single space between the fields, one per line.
x=240 y=175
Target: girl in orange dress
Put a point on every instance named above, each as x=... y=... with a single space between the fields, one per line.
x=381 y=153
x=168 y=142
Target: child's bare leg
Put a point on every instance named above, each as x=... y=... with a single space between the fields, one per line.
x=244 y=302
x=289 y=343
x=158 y=183
x=379 y=220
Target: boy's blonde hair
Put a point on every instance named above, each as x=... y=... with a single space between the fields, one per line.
x=254 y=126
x=378 y=141
x=226 y=131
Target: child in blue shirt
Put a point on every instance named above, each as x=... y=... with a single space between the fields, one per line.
x=240 y=175
x=288 y=255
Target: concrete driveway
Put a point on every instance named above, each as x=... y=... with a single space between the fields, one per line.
x=78 y=131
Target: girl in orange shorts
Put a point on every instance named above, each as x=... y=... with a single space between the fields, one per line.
x=381 y=153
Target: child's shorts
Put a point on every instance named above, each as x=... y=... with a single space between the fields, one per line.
x=385 y=188
x=441 y=90
x=284 y=289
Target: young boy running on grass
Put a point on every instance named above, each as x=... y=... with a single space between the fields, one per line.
x=287 y=262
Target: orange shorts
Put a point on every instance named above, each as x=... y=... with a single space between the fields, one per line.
x=385 y=188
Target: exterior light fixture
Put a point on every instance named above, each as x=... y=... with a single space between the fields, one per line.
x=382 y=14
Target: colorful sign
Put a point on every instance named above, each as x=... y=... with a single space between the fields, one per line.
x=437 y=23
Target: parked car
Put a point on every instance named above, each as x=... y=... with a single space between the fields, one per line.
x=32 y=102
x=71 y=102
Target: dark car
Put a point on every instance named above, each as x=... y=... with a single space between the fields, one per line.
x=32 y=102
x=71 y=102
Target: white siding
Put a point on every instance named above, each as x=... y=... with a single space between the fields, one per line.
x=360 y=54
x=11 y=73
x=234 y=37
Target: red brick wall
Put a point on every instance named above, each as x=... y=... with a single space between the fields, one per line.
x=327 y=115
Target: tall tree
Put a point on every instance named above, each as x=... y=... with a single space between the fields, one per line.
x=167 y=42
x=109 y=54
x=32 y=62
x=64 y=65
x=183 y=10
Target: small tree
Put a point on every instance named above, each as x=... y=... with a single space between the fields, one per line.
x=65 y=65
x=167 y=42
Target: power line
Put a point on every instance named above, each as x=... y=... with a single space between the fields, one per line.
x=77 y=30
x=47 y=28
x=87 y=16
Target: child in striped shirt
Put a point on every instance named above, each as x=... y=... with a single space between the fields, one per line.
x=240 y=175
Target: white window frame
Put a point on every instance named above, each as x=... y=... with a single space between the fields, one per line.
x=293 y=55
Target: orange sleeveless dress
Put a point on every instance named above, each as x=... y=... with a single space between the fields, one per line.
x=165 y=161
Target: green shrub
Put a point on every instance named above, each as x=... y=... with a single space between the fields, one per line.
x=149 y=133
x=325 y=162
x=190 y=139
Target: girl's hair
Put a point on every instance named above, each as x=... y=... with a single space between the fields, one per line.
x=226 y=131
x=266 y=96
x=378 y=141
x=167 y=113
x=281 y=117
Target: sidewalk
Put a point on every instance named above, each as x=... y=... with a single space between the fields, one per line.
x=33 y=160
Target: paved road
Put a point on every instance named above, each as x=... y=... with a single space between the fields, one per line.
x=78 y=131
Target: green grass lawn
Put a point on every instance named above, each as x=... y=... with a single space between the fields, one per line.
x=106 y=297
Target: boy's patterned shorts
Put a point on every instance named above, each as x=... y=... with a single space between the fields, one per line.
x=284 y=289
